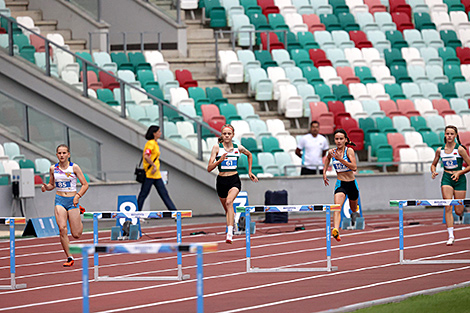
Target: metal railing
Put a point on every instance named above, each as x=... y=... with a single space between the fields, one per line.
x=122 y=84
x=124 y=39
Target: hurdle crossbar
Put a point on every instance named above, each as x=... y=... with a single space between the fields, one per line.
x=197 y=248
x=11 y=221
x=413 y=203
x=288 y=208
x=141 y=214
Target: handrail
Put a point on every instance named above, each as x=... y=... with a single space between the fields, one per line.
x=122 y=84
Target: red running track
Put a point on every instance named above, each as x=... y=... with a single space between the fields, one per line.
x=367 y=263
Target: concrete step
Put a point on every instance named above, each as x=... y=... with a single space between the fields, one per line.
x=46 y=25
x=197 y=33
x=76 y=44
x=36 y=15
x=66 y=33
x=17 y=5
x=194 y=24
x=170 y=54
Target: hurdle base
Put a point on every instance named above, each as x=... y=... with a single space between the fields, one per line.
x=276 y=269
x=150 y=278
x=434 y=261
x=13 y=287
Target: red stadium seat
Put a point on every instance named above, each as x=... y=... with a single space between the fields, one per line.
x=375 y=6
x=185 y=78
x=442 y=106
x=463 y=53
x=318 y=56
x=319 y=112
x=400 y=6
x=108 y=81
x=313 y=22
x=402 y=20
x=356 y=135
x=338 y=110
x=407 y=107
x=347 y=75
x=389 y=107
x=274 y=42
x=397 y=141
x=268 y=7
x=360 y=39
x=92 y=80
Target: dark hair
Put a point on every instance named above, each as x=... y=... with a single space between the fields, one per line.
x=342 y=131
x=221 y=139
x=152 y=129
x=62 y=145
x=314 y=122
x=456 y=132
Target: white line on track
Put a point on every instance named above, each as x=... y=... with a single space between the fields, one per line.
x=212 y=277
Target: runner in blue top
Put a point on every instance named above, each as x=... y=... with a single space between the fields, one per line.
x=344 y=162
x=63 y=178
x=454 y=182
x=225 y=156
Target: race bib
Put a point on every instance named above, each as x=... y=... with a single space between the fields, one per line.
x=63 y=184
x=229 y=164
x=450 y=163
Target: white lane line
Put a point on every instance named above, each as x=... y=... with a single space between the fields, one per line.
x=206 y=278
x=387 y=282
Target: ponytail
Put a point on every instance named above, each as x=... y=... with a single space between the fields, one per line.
x=348 y=141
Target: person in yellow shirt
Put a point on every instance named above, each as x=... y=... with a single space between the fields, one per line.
x=151 y=156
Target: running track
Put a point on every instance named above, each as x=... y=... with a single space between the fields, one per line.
x=367 y=261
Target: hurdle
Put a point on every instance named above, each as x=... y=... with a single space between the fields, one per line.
x=289 y=208
x=155 y=248
x=413 y=203
x=140 y=214
x=11 y=221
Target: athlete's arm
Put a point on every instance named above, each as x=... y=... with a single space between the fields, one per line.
x=250 y=162
x=212 y=163
x=51 y=185
x=78 y=171
x=434 y=163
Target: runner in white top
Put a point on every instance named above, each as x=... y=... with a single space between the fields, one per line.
x=312 y=148
x=63 y=177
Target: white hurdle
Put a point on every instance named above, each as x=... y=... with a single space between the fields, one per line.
x=11 y=222
x=156 y=248
x=316 y=208
x=140 y=214
x=412 y=203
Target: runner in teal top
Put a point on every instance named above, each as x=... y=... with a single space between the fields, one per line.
x=454 y=182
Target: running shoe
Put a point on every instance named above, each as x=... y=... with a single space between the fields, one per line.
x=228 y=239
x=335 y=234
x=450 y=242
x=354 y=216
x=69 y=263
x=82 y=209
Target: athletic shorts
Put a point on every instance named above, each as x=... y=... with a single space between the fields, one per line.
x=225 y=183
x=460 y=185
x=65 y=202
x=349 y=188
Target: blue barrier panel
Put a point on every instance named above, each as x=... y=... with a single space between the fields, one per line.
x=43 y=227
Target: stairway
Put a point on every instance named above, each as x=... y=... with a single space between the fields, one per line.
x=20 y=8
x=201 y=63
